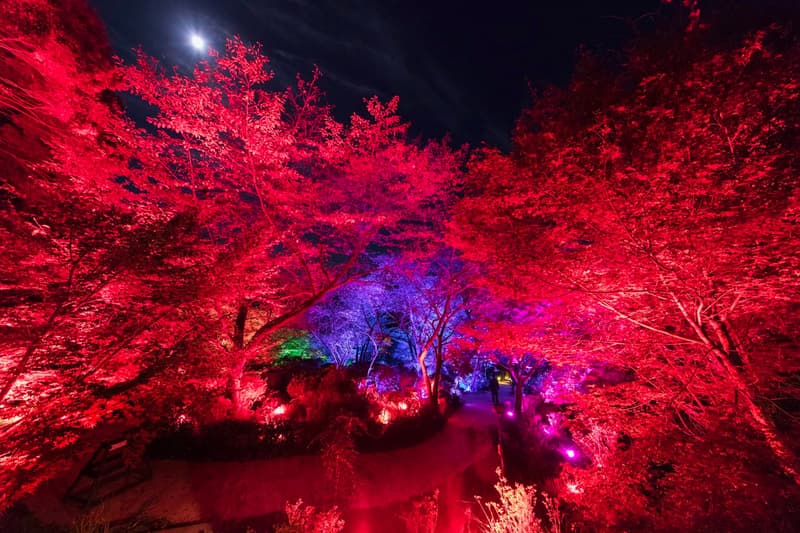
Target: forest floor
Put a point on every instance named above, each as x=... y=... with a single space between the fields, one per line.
x=457 y=461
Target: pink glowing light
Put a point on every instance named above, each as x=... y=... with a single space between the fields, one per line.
x=510 y=414
x=280 y=410
x=402 y=406
x=570 y=453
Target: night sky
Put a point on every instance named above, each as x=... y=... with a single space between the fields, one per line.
x=459 y=67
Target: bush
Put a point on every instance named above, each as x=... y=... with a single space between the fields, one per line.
x=320 y=400
x=339 y=455
x=327 y=394
x=302 y=518
x=422 y=514
x=515 y=511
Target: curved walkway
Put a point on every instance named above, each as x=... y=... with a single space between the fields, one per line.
x=182 y=491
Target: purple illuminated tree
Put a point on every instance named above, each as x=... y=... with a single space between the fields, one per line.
x=431 y=302
x=351 y=324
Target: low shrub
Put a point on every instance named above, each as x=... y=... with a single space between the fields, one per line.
x=302 y=518
x=318 y=401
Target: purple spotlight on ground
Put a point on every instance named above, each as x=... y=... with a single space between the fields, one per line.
x=570 y=453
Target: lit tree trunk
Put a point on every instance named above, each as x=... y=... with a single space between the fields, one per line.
x=374 y=356
x=438 y=339
x=760 y=421
x=426 y=379
x=22 y=365
x=518 y=399
x=243 y=353
x=739 y=375
x=237 y=369
x=437 y=376
x=235 y=387
x=786 y=458
x=517 y=377
x=438 y=334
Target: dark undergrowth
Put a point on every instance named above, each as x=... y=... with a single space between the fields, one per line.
x=245 y=440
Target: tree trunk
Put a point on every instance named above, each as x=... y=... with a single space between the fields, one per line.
x=421 y=359
x=726 y=352
x=783 y=454
x=426 y=379
x=437 y=377
x=235 y=387
x=374 y=357
x=236 y=372
x=726 y=342
x=238 y=327
x=760 y=421
x=22 y=365
x=742 y=378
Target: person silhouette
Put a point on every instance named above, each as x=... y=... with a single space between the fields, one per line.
x=494 y=386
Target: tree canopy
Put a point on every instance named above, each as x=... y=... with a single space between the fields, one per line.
x=645 y=222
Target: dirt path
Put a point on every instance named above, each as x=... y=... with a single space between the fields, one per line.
x=182 y=491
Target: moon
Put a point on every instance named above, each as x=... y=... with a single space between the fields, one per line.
x=197 y=42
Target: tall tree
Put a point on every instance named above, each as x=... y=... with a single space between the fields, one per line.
x=87 y=270
x=291 y=201
x=134 y=256
x=431 y=303
x=670 y=210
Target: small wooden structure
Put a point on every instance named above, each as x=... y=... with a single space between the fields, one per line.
x=105 y=475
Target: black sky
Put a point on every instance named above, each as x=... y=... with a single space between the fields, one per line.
x=459 y=67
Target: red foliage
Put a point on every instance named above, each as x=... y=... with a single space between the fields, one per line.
x=646 y=222
x=664 y=218
x=141 y=259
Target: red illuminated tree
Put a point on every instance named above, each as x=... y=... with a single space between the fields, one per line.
x=668 y=214
x=138 y=260
x=290 y=200
x=88 y=278
x=525 y=339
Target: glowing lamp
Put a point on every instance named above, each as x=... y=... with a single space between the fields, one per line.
x=385 y=417
x=402 y=406
x=280 y=410
x=570 y=453
x=510 y=413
